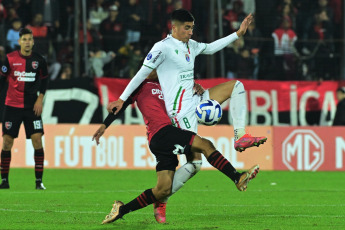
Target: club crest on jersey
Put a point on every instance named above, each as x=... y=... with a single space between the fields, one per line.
x=149 y=56
x=4 y=69
x=8 y=125
x=34 y=64
x=187 y=58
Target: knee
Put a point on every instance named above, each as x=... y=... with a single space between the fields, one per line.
x=7 y=143
x=207 y=145
x=37 y=142
x=164 y=192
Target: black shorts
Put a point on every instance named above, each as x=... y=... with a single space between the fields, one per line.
x=13 y=118
x=169 y=142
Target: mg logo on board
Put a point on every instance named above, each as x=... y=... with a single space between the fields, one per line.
x=303 y=150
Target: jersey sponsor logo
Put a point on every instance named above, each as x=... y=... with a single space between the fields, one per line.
x=187 y=58
x=4 y=69
x=14 y=64
x=24 y=76
x=34 y=64
x=159 y=54
x=149 y=56
x=187 y=76
x=157 y=91
x=8 y=125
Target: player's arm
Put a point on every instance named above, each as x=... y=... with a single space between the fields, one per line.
x=131 y=87
x=152 y=61
x=223 y=42
x=109 y=119
x=38 y=106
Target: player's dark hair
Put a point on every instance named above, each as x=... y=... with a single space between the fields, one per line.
x=182 y=15
x=24 y=31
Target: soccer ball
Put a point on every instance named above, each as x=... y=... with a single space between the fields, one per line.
x=208 y=112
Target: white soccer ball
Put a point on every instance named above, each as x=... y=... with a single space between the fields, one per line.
x=208 y=112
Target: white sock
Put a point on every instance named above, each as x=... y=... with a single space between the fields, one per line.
x=238 y=109
x=183 y=174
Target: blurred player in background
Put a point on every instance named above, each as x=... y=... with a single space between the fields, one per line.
x=173 y=58
x=166 y=142
x=26 y=73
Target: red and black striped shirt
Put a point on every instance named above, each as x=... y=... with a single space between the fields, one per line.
x=26 y=76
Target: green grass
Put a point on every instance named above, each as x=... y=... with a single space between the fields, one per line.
x=79 y=199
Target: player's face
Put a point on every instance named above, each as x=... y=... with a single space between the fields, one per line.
x=26 y=43
x=184 y=31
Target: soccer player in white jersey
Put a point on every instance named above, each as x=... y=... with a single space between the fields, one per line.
x=173 y=59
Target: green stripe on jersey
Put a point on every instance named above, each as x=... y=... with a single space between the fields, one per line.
x=177 y=96
x=148 y=66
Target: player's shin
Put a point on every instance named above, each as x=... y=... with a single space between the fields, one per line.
x=5 y=165
x=183 y=174
x=217 y=160
x=144 y=199
x=238 y=109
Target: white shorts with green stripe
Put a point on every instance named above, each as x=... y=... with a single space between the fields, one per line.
x=187 y=120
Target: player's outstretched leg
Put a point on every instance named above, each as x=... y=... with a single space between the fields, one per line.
x=238 y=107
x=247 y=141
x=120 y=209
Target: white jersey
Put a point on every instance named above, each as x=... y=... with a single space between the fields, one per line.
x=174 y=62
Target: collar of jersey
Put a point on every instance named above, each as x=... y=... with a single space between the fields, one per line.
x=177 y=41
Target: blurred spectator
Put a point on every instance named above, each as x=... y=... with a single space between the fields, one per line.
x=287 y=10
x=339 y=118
x=98 y=13
x=13 y=35
x=253 y=43
x=2 y=55
x=248 y=6
x=236 y=58
x=234 y=17
x=66 y=72
x=322 y=32
x=21 y=7
x=112 y=30
x=97 y=61
x=284 y=40
x=92 y=36
x=11 y=14
x=135 y=60
x=54 y=70
x=134 y=17
x=40 y=33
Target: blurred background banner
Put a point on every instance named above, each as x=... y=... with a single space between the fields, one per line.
x=278 y=103
x=309 y=148
x=125 y=147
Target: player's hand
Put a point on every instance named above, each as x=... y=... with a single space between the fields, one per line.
x=244 y=25
x=98 y=134
x=38 y=107
x=198 y=89
x=115 y=105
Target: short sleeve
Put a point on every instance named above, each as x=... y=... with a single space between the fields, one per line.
x=5 y=68
x=155 y=57
x=198 y=47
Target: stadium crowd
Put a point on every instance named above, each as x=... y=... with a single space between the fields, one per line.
x=290 y=39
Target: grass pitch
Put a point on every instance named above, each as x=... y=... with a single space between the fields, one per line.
x=80 y=199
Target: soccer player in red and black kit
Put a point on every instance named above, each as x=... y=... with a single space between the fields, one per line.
x=166 y=142
x=26 y=73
